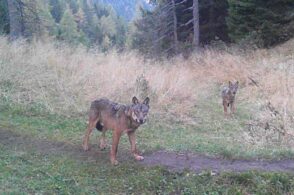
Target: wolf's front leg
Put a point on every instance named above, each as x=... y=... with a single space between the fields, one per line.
x=115 y=140
x=232 y=107
x=225 y=104
x=132 y=139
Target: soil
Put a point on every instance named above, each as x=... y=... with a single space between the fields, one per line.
x=198 y=163
x=172 y=160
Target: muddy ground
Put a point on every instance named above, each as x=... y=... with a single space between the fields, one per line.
x=173 y=161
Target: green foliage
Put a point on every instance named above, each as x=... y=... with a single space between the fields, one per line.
x=73 y=21
x=68 y=27
x=213 y=25
x=264 y=23
x=4 y=17
x=48 y=24
x=97 y=23
x=74 y=6
x=57 y=9
x=23 y=171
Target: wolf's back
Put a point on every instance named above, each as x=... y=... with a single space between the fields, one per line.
x=101 y=104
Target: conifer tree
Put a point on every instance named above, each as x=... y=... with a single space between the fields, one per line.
x=69 y=28
x=4 y=17
x=266 y=23
x=48 y=24
x=57 y=9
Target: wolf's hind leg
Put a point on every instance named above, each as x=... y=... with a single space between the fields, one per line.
x=93 y=118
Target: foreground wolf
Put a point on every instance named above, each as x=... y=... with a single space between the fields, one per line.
x=228 y=95
x=105 y=114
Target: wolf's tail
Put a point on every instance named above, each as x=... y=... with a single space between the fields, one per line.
x=99 y=127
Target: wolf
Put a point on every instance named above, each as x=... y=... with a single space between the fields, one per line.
x=105 y=114
x=228 y=95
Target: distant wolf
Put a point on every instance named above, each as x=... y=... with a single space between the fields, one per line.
x=228 y=95
x=105 y=114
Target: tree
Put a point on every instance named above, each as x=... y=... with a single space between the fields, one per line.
x=263 y=22
x=74 y=6
x=48 y=25
x=57 y=9
x=74 y=21
x=69 y=28
x=175 y=26
x=196 y=24
x=4 y=17
x=25 y=18
x=16 y=18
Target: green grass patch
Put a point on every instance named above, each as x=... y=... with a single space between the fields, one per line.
x=212 y=134
x=29 y=173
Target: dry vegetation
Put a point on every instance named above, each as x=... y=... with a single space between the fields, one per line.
x=64 y=80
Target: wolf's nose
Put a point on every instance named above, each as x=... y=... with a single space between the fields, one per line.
x=141 y=121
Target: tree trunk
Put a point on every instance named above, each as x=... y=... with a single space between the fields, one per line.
x=211 y=19
x=175 y=24
x=15 y=9
x=196 y=24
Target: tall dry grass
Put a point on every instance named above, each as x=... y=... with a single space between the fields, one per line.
x=64 y=80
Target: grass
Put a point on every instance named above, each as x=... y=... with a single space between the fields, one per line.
x=24 y=172
x=216 y=136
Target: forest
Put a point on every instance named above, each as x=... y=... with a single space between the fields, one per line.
x=163 y=27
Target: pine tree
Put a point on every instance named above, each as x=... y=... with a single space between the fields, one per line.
x=4 y=17
x=16 y=19
x=69 y=28
x=266 y=23
x=121 y=33
x=180 y=24
x=74 y=6
x=57 y=9
x=48 y=24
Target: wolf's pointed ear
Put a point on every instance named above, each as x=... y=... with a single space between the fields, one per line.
x=146 y=101
x=230 y=83
x=135 y=100
x=237 y=83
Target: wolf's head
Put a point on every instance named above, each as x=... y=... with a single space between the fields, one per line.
x=233 y=87
x=139 y=111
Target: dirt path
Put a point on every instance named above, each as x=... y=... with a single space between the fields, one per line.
x=198 y=163
x=174 y=161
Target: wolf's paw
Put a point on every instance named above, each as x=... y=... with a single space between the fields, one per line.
x=86 y=147
x=138 y=157
x=114 y=162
